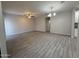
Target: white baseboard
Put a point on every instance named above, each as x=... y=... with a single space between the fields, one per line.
x=56 y=33
x=17 y=35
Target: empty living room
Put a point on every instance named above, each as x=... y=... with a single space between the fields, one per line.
x=39 y=29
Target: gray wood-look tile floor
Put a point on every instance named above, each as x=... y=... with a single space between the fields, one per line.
x=42 y=45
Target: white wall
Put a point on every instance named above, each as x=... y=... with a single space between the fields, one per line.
x=15 y=24
x=40 y=24
x=2 y=35
x=60 y=24
x=73 y=21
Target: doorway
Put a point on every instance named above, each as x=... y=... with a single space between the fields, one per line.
x=47 y=23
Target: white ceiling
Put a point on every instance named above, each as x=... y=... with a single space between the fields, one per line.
x=37 y=7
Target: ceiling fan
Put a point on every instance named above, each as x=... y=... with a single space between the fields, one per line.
x=29 y=15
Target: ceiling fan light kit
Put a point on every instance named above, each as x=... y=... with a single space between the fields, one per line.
x=29 y=15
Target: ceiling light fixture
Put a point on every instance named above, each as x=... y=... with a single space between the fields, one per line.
x=50 y=14
x=54 y=14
